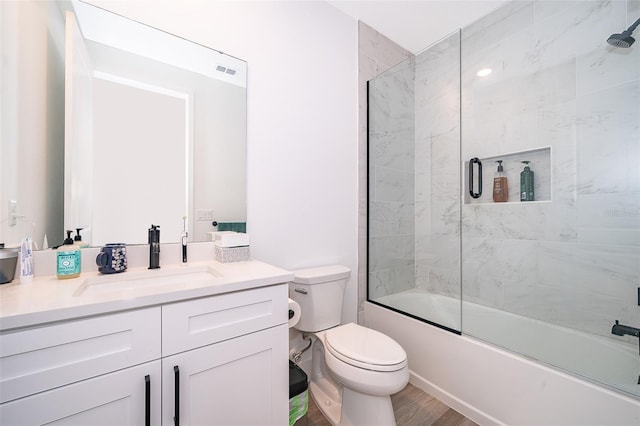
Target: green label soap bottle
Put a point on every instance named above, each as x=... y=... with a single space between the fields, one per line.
x=526 y=183
x=68 y=259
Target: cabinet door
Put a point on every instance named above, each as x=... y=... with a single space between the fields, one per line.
x=241 y=381
x=118 y=398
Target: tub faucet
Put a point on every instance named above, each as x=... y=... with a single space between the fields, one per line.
x=154 y=247
x=621 y=330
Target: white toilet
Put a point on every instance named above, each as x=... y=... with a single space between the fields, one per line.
x=354 y=369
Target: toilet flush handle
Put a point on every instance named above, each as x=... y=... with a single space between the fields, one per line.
x=301 y=290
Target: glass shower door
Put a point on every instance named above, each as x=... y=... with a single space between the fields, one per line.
x=549 y=277
x=414 y=186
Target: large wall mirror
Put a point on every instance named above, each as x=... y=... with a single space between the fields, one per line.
x=110 y=125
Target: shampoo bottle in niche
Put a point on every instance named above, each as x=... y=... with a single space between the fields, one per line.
x=526 y=183
x=68 y=259
x=500 y=187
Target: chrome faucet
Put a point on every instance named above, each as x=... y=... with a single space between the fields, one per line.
x=154 y=247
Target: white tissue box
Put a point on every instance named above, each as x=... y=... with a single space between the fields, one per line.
x=231 y=254
x=232 y=239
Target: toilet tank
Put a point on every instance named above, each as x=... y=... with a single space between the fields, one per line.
x=319 y=293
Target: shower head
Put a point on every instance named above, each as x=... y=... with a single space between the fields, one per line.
x=623 y=39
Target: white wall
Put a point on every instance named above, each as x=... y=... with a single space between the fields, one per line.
x=302 y=120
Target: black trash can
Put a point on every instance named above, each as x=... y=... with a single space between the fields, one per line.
x=298 y=396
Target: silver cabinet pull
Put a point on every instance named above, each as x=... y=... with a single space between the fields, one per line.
x=301 y=290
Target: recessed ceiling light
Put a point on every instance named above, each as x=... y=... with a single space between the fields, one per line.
x=484 y=72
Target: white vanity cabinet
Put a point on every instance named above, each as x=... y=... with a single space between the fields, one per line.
x=216 y=360
x=225 y=360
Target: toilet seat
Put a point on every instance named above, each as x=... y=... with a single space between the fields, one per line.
x=365 y=348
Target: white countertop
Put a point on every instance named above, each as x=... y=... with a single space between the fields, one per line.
x=48 y=299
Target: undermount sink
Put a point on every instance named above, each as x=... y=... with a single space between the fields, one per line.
x=155 y=279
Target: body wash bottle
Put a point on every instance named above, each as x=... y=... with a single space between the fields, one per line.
x=526 y=183
x=68 y=259
x=500 y=187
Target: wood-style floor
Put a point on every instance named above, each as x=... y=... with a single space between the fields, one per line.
x=412 y=407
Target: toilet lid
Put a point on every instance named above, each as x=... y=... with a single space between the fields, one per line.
x=365 y=348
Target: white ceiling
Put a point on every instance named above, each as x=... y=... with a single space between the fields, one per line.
x=416 y=24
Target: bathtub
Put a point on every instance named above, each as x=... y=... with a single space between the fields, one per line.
x=495 y=386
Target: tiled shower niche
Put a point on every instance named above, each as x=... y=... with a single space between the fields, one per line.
x=539 y=163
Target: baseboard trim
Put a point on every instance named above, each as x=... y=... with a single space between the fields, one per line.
x=457 y=404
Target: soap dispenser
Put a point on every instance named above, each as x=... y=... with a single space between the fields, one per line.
x=526 y=183
x=500 y=186
x=78 y=239
x=154 y=247
x=68 y=259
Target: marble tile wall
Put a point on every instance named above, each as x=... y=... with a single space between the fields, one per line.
x=392 y=180
x=574 y=261
x=376 y=54
x=437 y=166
